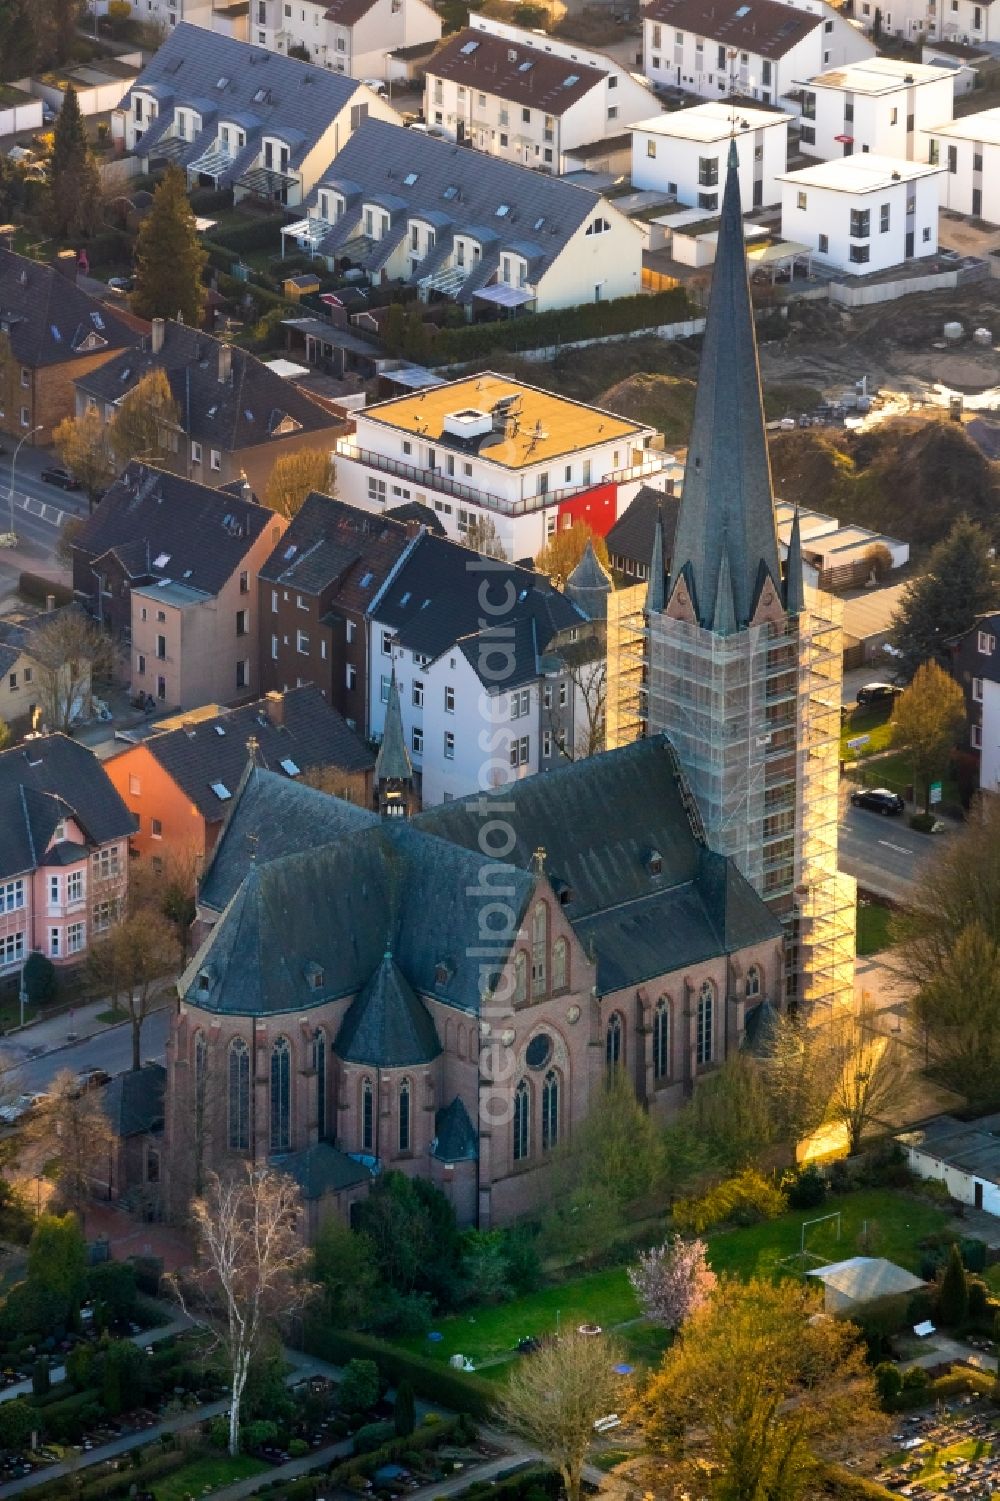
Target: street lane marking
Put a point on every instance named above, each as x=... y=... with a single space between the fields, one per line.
x=899 y=848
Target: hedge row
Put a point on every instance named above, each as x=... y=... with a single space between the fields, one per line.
x=590 y=320
x=36 y=587
x=455 y=1389
x=90 y=1487
x=258 y=234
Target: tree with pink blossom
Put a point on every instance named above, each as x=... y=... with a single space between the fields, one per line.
x=672 y=1281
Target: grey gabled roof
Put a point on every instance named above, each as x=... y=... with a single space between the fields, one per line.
x=45 y=781
x=302 y=99
x=50 y=320
x=322 y=1169
x=379 y=157
x=272 y=816
x=727 y=507
x=387 y=1025
x=133 y=1101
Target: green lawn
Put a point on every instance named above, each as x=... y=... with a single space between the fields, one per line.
x=873 y=928
x=896 y=771
x=213 y=1471
x=606 y=1298
x=872 y=721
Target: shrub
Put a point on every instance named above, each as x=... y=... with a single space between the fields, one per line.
x=372 y=1436
x=35 y=587
x=40 y=980
x=953 y=1293
x=256 y=234
x=359 y=1387
x=458 y=1390
x=148 y=1274
x=298 y=1448
x=218 y=1433
x=973 y=1254
x=923 y=822
x=744 y=1200
x=17 y=1419
x=889 y=1383
x=978 y=1299
x=41 y=1379
x=404 y=1412
x=407 y=1315
x=260 y=1433
x=79 y=1365
x=112 y=1286
x=807 y=1189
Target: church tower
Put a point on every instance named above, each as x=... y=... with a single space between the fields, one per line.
x=743 y=663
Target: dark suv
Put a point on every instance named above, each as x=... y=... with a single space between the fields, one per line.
x=879 y=800
x=60 y=478
x=878 y=693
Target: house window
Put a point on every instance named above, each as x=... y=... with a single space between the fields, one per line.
x=239 y=1096
x=161 y=648
x=418 y=693
x=387 y=643
x=986 y=644
x=242 y=622
x=613 y=1040
x=449 y=699
x=351 y=676
x=243 y=673
x=563 y=695
x=196 y=453
x=367 y=1117
x=560 y=964
x=156 y=828
x=860 y=253
x=54 y=890
x=823 y=244
x=11 y=949
x=75 y=938
x=801 y=200
x=54 y=936
x=976 y=737
x=977 y=690
x=753 y=982
x=152 y=1165
x=651 y=148
x=522 y=1121
x=883 y=219
x=539 y=948
x=550 y=1111
x=449 y=746
x=105 y=862
x=103 y=916
x=385 y=684
x=860 y=223
x=274 y=648
x=417 y=741
x=216 y=459
x=520 y=751
x=661 y=1039
x=704 y=1025
x=376 y=489
x=302 y=643
x=520 y=977
x=404 y=1115
x=319 y=1064
x=244 y=582
x=74 y=886
x=281 y=1084
x=520 y=703
x=12 y=895
x=708 y=171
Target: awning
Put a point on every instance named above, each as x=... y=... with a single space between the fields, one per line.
x=264 y=183
x=308 y=233
x=168 y=149
x=213 y=162
x=505 y=296
x=447 y=280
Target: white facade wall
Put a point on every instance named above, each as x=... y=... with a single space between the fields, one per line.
x=989 y=759
x=880 y=121
x=26 y=116
x=970 y=182
x=594 y=267
x=961 y=1185
x=672 y=164
x=702 y=63
x=523 y=133
x=970 y=21
x=361 y=49
x=171 y=12
x=822 y=219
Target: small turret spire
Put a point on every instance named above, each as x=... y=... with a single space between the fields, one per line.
x=795 y=591
x=655 y=593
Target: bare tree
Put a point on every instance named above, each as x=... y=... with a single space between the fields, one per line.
x=482 y=536
x=556 y=1395
x=171 y=888
x=68 y=651
x=585 y=663
x=251 y=1265
x=127 y=961
x=296 y=475
x=146 y=423
x=72 y=1131
x=871 y=1073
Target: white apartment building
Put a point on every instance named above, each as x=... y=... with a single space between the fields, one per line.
x=863 y=213
x=754 y=48
x=882 y=106
x=488 y=447
x=967 y=21
x=347 y=36
x=400 y=205
x=520 y=102
x=461 y=709
x=172 y=12
x=969 y=152
x=237 y=115
x=685 y=153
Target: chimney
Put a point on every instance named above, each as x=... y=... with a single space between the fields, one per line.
x=156 y=338
x=50 y=602
x=274 y=707
x=225 y=362
x=66 y=264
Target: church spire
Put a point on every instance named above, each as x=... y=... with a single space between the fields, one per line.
x=393 y=767
x=727 y=504
x=795 y=595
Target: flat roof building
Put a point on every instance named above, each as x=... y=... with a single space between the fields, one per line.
x=684 y=153
x=862 y=213
x=878 y=105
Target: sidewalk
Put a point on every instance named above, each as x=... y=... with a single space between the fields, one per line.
x=67 y=1028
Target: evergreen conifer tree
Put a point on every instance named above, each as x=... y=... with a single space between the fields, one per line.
x=74 y=204
x=953 y=1298
x=169 y=256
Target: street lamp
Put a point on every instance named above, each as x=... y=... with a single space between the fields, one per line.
x=10 y=498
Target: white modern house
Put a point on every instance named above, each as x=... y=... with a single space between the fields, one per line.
x=400 y=205
x=347 y=36
x=968 y=149
x=685 y=153
x=754 y=48
x=236 y=115
x=171 y=12
x=470 y=721
x=486 y=447
x=862 y=213
x=971 y=21
x=525 y=104
x=881 y=106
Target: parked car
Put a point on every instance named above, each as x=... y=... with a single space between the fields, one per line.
x=16 y=1109
x=377 y=86
x=878 y=693
x=121 y=284
x=91 y=1078
x=61 y=478
x=879 y=800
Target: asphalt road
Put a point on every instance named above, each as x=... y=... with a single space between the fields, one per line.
x=39 y=512
x=883 y=854
x=110 y=1049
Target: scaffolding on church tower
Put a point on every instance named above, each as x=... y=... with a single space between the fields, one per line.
x=754 y=718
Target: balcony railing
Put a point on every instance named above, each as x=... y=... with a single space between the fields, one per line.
x=436 y=479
